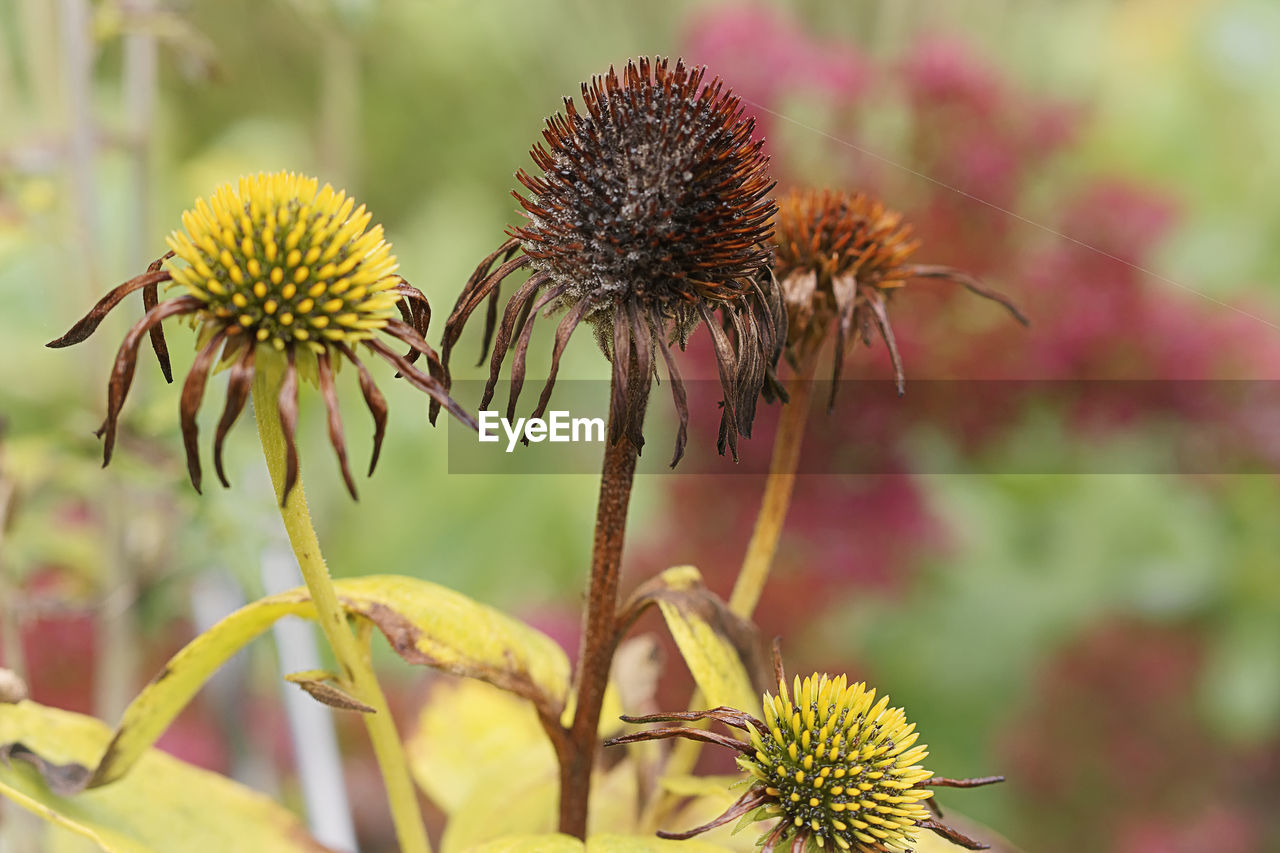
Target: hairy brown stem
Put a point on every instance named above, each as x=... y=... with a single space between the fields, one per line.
x=598 y=637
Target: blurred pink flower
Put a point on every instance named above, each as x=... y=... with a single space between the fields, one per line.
x=764 y=55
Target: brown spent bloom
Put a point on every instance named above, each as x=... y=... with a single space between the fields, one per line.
x=838 y=257
x=274 y=268
x=652 y=213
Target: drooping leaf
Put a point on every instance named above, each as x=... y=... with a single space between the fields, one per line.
x=438 y=627
x=547 y=843
x=509 y=806
x=165 y=806
x=425 y=623
x=475 y=745
x=612 y=843
x=720 y=649
x=151 y=712
x=468 y=734
x=647 y=844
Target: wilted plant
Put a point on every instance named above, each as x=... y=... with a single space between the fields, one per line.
x=652 y=214
x=838 y=257
x=652 y=218
x=281 y=274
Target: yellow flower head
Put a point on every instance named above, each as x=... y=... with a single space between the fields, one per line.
x=832 y=766
x=274 y=267
x=288 y=261
x=839 y=767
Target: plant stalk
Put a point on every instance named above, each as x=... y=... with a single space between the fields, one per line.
x=778 y=489
x=761 y=550
x=598 y=640
x=356 y=671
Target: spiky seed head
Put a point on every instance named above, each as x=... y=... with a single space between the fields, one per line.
x=286 y=261
x=651 y=216
x=829 y=243
x=657 y=193
x=839 y=767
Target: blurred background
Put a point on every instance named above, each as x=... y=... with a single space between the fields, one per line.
x=1110 y=642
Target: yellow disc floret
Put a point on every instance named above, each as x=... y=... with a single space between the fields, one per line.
x=840 y=767
x=287 y=261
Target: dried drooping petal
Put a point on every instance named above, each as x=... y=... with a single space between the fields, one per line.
x=839 y=256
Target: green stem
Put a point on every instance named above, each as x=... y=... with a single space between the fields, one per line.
x=357 y=675
x=763 y=546
x=761 y=550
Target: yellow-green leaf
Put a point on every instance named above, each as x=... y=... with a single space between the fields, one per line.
x=424 y=622
x=710 y=639
x=701 y=786
x=595 y=844
x=510 y=806
x=709 y=797
x=433 y=625
x=165 y=806
x=646 y=844
x=549 y=843
x=475 y=746
x=470 y=733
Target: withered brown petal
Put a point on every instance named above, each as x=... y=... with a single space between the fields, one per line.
x=687 y=732
x=726 y=364
x=522 y=348
x=190 y=399
x=324 y=373
x=431 y=386
x=239 y=384
x=952 y=835
x=679 y=397
x=287 y=408
x=126 y=361
x=747 y=803
x=620 y=353
x=89 y=323
x=518 y=304
x=969 y=283
x=642 y=349
x=373 y=399
x=564 y=330
x=876 y=301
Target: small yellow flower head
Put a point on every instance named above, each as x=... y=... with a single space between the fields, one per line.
x=838 y=256
x=274 y=267
x=839 y=767
x=288 y=261
x=833 y=767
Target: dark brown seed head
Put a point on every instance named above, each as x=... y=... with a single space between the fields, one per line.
x=651 y=215
x=655 y=193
